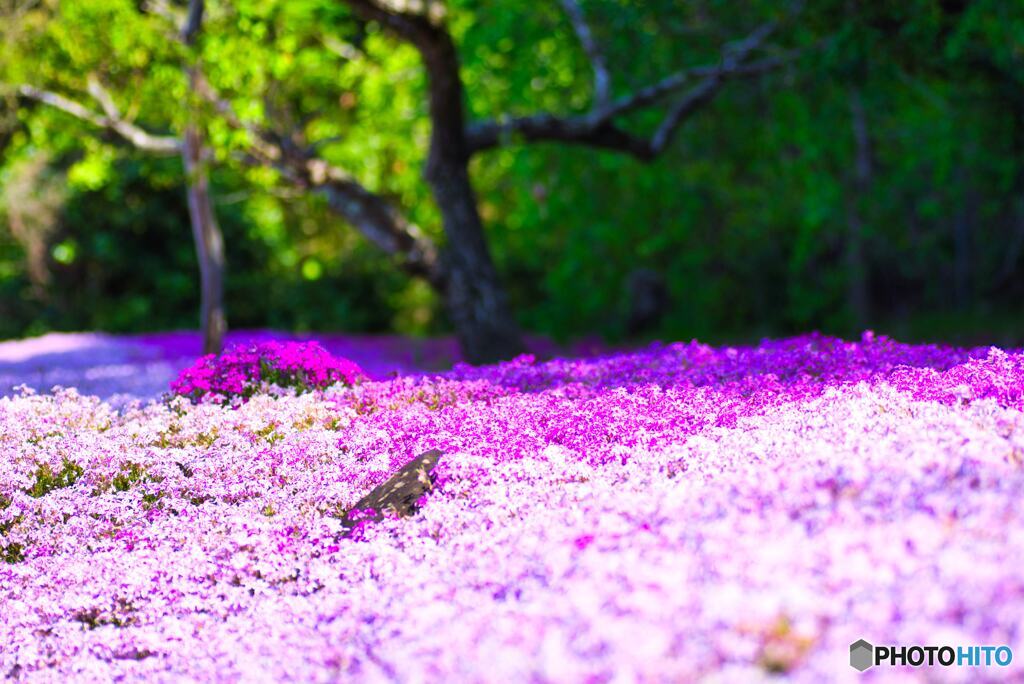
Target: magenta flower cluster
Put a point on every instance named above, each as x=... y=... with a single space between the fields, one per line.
x=674 y=514
x=243 y=370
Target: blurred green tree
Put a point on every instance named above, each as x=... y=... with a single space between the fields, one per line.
x=190 y=145
x=878 y=178
x=266 y=119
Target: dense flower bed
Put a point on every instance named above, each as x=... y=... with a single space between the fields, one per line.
x=244 y=370
x=684 y=512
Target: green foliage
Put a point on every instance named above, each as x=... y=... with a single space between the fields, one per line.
x=46 y=480
x=270 y=434
x=131 y=474
x=7 y=525
x=12 y=553
x=746 y=217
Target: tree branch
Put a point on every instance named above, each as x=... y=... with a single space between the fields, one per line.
x=372 y=215
x=576 y=130
x=417 y=21
x=675 y=82
x=421 y=23
x=598 y=129
x=259 y=139
x=367 y=212
x=193 y=22
x=111 y=121
x=376 y=218
x=162 y=8
x=602 y=79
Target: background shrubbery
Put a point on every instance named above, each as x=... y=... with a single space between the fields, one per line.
x=745 y=219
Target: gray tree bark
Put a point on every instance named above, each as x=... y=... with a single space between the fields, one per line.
x=206 y=235
x=209 y=242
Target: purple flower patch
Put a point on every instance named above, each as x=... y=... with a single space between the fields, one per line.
x=245 y=370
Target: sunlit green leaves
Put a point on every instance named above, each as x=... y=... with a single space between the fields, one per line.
x=744 y=216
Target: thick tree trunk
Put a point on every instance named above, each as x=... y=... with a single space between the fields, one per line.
x=476 y=301
x=474 y=297
x=208 y=241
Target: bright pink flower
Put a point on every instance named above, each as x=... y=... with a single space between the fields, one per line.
x=244 y=370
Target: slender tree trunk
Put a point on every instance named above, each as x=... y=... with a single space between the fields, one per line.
x=1015 y=245
x=856 y=267
x=205 y=232
x=208 y=241
x=963 y=231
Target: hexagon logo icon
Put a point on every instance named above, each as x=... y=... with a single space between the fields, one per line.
x=861 y=655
